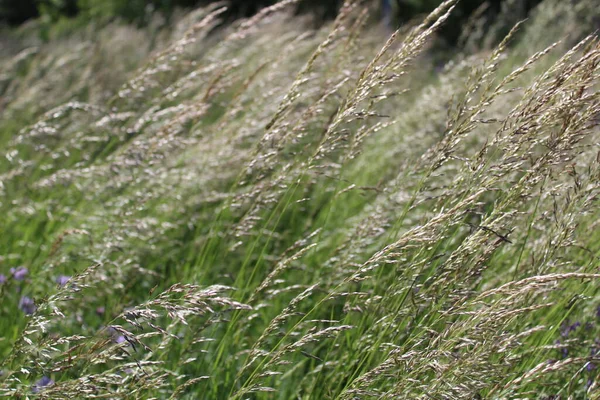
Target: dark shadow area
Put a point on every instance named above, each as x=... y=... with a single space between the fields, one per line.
x=393 y=13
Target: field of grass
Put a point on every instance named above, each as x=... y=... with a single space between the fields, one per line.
x=276 y=211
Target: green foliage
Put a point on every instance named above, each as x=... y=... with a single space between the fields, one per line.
x=130 y=10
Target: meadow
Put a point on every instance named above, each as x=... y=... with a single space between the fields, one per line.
x=274 y=210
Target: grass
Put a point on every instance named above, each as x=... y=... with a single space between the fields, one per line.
x=273 y=211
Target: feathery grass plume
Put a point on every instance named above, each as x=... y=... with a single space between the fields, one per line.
x=265 y=209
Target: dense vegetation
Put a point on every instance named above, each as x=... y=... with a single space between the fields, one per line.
x=277 y=211
x=17 y=11
x=140 y=11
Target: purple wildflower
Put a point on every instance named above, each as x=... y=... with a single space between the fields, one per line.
x=2 y=279
x=590 y=366
x=19 y=273
x=589 y=326
x=62 y=280
x=574 y=326
x=567 y=328
x=42 y=383
x=100 y=310
x=116 y=335
x=564 y=329
x=27 y=305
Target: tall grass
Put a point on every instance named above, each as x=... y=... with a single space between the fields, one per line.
x=273 y=211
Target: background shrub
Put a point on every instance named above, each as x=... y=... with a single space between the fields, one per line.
x=17 y=11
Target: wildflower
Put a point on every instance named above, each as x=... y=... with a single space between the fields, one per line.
x=567 y=328
x=62 y=280
x=2 y=279
x=42 y=383
x=116 y=336
x=590 y=366
x=589 y=326
x=27 y=305
x=19 y=273
x=100 y=311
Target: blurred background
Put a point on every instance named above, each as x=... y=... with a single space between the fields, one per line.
x=393 y=12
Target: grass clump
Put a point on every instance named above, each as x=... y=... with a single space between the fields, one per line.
x=274 y=212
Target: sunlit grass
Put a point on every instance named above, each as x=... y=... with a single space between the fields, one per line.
x=272 y=211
